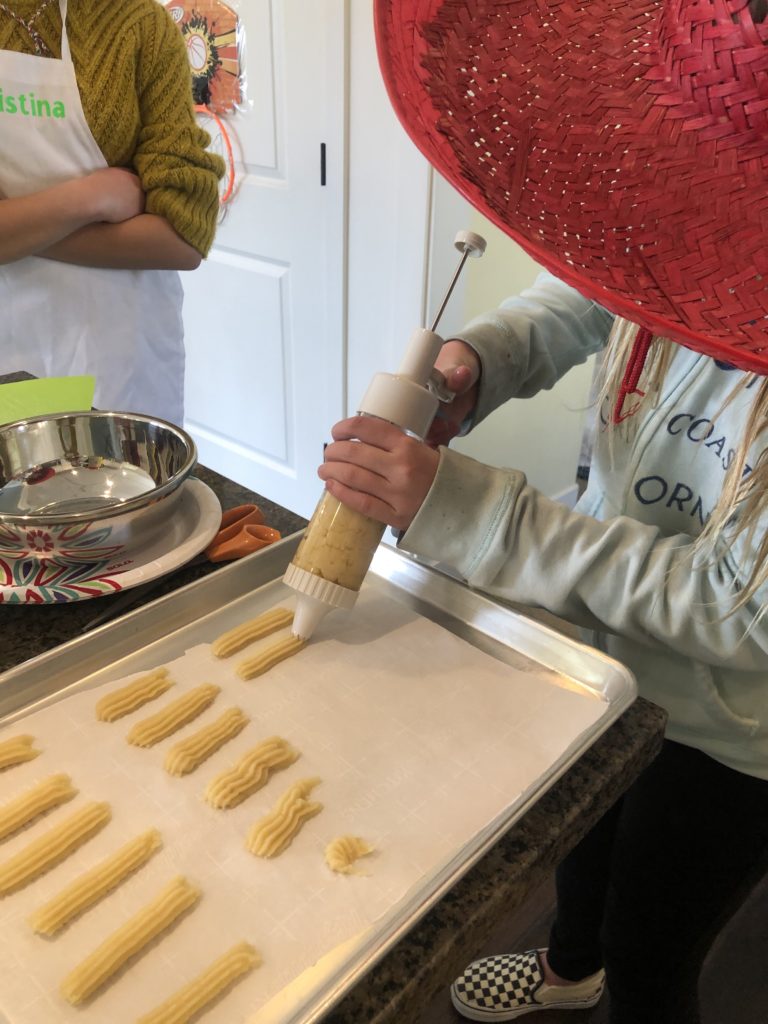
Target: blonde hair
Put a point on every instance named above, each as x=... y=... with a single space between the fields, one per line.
x=743 y=500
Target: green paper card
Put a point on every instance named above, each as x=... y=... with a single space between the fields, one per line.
x=45 y=396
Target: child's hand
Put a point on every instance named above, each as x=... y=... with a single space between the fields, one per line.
x=460 y=366
x=376 y=469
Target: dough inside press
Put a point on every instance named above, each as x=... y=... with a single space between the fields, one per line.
x=50 y=849
x=270 y=656
x=173 y=716
x=250 y=773
x=130 y=939
x=93 y=885
x=236 y=639
x=128 y=698
x=188 y=754
x=50 y=793
x=16 y=750
x=184 y=1005
x=277 y=830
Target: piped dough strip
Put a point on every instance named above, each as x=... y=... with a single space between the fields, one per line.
x=188 y=1001
x=93 y=885
x=17 y=750
x=277 y=830
x=130 y=939
x=236 y=639
x=46 y=795
x=250 y=773
x=187 y=755
x=133 y=696
x=173 y=716
x=341 y=854
x=270 y=656
x=50 y=849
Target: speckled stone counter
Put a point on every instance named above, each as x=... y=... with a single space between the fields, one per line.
x=424 y=961
x=27 y=631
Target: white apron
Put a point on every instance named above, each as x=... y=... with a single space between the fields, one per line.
x=122 y=326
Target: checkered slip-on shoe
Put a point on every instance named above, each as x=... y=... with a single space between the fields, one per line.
x=501 y=988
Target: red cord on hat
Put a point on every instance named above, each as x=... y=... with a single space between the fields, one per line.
x=632 y=374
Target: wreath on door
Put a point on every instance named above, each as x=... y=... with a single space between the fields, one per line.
x=214 y=39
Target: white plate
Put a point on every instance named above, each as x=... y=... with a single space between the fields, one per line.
x=196 y=520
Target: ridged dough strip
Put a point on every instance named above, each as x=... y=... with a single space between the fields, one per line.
x=187 y=755
x=173 y=716
x=48 y=850
x=184 y=1005
x=250 y=773
x=247 y=632
x=16 y=750
x=133 y=696
x=270 y=656
x=93 y=885
x=277 y=830
x=46 y=795
x=128 y=940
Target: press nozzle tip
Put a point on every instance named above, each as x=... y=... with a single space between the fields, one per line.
x=309 y=613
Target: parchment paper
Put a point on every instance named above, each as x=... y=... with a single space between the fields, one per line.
x=420 y=741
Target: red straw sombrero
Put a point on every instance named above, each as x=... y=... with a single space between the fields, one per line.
x=623 y=144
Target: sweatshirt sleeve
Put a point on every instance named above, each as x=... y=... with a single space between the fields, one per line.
x=532 y=340
x=180 y=177
x=626 y=577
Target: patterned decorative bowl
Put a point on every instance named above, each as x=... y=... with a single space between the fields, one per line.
x=83 y=487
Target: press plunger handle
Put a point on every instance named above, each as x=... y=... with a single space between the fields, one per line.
x=468 y=244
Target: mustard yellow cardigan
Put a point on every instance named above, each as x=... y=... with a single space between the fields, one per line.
x=135 y=87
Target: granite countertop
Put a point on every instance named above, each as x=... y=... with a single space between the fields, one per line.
x=429 y=956
x=31 y=630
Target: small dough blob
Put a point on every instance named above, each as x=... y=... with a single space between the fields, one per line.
x=250 y=773
x=184 y=1005
x=277 y=830
x=341 y=854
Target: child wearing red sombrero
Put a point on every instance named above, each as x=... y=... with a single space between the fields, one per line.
x=625 y=147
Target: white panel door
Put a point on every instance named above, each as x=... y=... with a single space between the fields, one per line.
x=264 y=315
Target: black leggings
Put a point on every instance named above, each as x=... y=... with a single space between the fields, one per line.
x=647 y=890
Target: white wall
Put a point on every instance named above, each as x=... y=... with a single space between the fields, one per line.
x=541 y=435
x=388 y=220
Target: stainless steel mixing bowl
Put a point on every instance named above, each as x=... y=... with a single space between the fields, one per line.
x=85 y=486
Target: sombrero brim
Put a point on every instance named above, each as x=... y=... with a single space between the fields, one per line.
x=626 y=153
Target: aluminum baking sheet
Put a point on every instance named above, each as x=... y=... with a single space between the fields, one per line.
x=383 y=688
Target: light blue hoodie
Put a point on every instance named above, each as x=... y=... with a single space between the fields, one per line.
x=622 y=563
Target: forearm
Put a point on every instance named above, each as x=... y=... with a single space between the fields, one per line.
x=30 y=224
x=623 y=576
x=532 y=340
x=145 y=242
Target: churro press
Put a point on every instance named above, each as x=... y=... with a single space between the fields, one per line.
x=335 y=553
